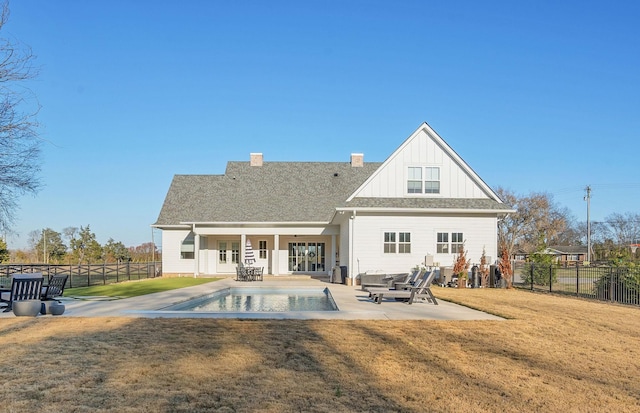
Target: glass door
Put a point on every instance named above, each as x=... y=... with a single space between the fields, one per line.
x=306 y=257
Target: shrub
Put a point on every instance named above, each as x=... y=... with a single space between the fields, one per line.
x=621 y=284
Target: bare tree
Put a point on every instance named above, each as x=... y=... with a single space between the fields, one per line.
x=537 y=222
x=623 y=229
x=19 y=140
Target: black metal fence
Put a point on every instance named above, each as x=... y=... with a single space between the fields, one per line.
x=614 y=284
x=86 y=275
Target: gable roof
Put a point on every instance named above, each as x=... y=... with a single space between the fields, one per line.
x=449 y=152
x=301 y=192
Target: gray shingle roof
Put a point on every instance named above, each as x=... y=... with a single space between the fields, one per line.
x=273 y=192
x=284 y=192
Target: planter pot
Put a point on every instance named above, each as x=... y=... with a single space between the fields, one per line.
x=52 y=307
x=26 y=308
x=56 y=308
x=462 y=283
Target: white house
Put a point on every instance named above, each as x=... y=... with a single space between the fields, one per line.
x=423 y=203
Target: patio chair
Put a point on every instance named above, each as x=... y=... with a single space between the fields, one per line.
x=241 y=273
x=54 y=288
x=23 y=287
x=412 y=281
x=257 y=273
x=420 y=291
x=382 y=280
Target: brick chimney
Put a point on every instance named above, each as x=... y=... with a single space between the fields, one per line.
x=256 y=159
x=357 y=160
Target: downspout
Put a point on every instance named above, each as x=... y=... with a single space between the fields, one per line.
x=352 y=227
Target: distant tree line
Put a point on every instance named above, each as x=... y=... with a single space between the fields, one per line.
x=539 y=223
x=75 y=246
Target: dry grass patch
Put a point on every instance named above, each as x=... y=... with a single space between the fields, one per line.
x=552 y=354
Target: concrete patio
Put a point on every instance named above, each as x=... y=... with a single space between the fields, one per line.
x=353 y=304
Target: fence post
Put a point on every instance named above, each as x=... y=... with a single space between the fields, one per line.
x=128 y=270
x=577 y=279
x=550 y=277
x=611 y=284
x=104 y=273
x=531 y=271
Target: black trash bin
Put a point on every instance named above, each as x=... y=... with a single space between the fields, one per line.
x=492 y=276
x=343 y=273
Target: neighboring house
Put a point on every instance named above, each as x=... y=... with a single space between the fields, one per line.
x=307 y=217
x=563 y=254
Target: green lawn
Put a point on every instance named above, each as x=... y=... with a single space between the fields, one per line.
x=136 y=288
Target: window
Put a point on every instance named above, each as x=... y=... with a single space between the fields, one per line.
x=397 y=242
x=222 y=252
x=442 y=246
x=430 y=183
x=414 y=182
x=389 y=242
x=235 y=252
x=187 y=248
x=442 y=243
x=457 y=242
x=404 y=242
x=262 y=250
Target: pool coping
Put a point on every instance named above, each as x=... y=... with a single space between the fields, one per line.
x=353 y=304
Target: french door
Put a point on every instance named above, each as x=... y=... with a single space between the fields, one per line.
x=307 y=256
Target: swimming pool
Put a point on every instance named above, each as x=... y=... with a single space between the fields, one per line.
x=242 y=299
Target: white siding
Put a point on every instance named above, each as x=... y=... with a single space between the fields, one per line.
x=423 y=150
x=478 y=232
x=171 y=261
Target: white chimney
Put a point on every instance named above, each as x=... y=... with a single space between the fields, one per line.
x=256 y=159
x=357 y=160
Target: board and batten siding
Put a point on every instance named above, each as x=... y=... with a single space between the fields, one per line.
x=171 y=261
x=478 y=231
x=390 y=181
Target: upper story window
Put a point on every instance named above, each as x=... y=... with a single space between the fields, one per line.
x=423 y=180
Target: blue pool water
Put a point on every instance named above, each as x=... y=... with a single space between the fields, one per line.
x=237 y=300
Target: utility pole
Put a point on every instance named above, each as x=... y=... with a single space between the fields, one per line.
x=587 y=198
x=44 y=245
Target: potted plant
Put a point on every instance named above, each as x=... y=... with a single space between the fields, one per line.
x=461 y=267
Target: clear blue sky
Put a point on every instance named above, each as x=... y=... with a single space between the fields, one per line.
x=535 y=96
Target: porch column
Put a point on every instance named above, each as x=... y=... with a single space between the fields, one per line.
x=243 y=246
x=275 y=267
x=196 y=254
x=332 y=258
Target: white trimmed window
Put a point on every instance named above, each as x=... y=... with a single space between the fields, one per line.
x=187 y=248
x=389 y=242
x=399 y=242
x=432 y=180
x=457 y=242
x=442 y=246
x=404 y=242
x=262 y=249
x=414 y=181
x=423 y=180
x=222 y=252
